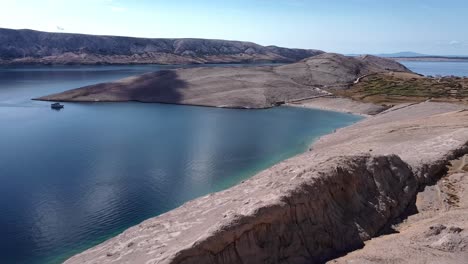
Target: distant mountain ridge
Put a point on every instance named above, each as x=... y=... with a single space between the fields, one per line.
x=410 y=55
x=402 y=54
x=414 y=56
x=36 y=47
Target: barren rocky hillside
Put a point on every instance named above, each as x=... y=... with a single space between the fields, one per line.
x=36 y=47
x=252 y=87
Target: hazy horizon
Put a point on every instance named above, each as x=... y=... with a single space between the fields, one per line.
x=348 y=27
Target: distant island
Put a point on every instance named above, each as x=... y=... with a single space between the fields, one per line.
x=402 y=54
x=414 y=56
x=37 y=47
x=432 y=58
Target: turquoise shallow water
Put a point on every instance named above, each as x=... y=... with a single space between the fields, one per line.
x=70 y=179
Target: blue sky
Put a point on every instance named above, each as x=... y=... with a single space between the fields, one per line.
x=344 y=26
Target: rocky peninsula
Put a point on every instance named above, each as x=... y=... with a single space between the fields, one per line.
x=237 y=87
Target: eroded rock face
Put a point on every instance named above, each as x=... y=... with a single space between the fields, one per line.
x=330 y=211
x=309 y=208
x=331 y=206
x=438 y=233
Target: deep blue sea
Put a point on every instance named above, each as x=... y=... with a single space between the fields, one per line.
x=70 y=179
x=443 y=68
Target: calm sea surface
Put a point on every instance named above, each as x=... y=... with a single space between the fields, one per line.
x=70 y=179
x=444 y=68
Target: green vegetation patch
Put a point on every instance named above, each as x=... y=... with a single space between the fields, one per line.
x=404 y=87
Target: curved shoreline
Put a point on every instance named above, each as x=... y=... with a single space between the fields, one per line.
x=218 y=227
x=340 y=104
x=349 y=187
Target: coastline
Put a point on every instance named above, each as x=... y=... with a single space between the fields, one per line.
x=340 y=104
x=327 y=102
x=222 y=223
x=276 y=203
x=378 y=173
x=236 y=87
x=96 y=111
